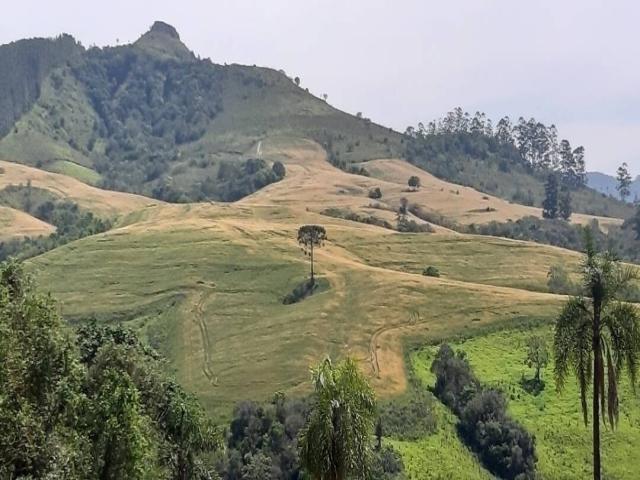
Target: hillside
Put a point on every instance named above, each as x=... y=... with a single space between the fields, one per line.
x=172 y=189
x=152 y=118
x=607 y=184
x=205 y=280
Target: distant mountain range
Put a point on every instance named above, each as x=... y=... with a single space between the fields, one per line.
x=607 y=184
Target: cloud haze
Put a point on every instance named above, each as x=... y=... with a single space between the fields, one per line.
x=572 y=63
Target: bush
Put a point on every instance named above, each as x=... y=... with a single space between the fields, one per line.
x=411 y=226
x=410 y=417
x=455 y=384
x=279 y=170
x=301 y=292
x=347 y=214
x=375 y=193
x=387 y=464
x=431 y=271
x=504 y=446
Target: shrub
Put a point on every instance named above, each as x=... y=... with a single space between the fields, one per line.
x=455 y=384
x=411 y=226
x=375 y=193
x=431 y=271
x=503 y=445
x=505 y=448
x=409 y=417
x=279 y=169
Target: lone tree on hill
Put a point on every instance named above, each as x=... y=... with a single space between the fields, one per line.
x=310 y=237
x=335 y=443
x=595 y=333
x=624 y=181
x=414 y=182
x=537 y=355
x=550 y=203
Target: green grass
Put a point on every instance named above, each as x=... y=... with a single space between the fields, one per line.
x=441 y=455
x=563 y=442
x=79 y=172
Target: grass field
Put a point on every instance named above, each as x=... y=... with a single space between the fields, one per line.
x=17 y=224
x=79 y=172
x=563 y=442
x=104 y=203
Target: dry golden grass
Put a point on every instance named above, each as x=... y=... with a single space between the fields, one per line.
x=462 y=204
x=17 y=224
x=205 y=281
x=101 y=202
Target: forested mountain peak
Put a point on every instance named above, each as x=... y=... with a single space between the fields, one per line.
x=163 y=39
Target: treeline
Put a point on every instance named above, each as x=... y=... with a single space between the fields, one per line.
x=622 y=240
x=535 y=143
x=71 y=222
x=503 y=446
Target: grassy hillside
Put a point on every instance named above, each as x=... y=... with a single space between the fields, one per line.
x=151 y=118
x=563 y=442
x=205 y=283
x=104 y=203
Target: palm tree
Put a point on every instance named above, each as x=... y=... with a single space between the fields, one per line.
x=334 y=444
x=596 y=331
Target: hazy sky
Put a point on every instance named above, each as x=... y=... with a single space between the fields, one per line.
x=575 y=63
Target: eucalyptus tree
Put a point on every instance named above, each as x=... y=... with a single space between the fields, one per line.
x=597 y=336
x=311 y=237
x=624 y=181
x=335 y=442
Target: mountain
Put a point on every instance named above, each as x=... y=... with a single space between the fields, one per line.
x=607 y=184
x=220 y=288
x=152 y=118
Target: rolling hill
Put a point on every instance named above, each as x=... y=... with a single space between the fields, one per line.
x=153 y=138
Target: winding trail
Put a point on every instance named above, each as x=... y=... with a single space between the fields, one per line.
x=199 y=319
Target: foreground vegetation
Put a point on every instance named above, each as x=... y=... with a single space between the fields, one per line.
x=563 y=442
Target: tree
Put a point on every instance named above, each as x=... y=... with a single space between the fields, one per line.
x=297 y=81
x=311 y=237
x=325 y=96
x=504 y=131
x=564 y=203
x=414 y=182
x=334 y=444
x=537 y=354
x=379 y=432
x=624 y=182
x=279 y=169
x=594 y=333
x=550 y=203
x=403 y=209
x=375 y=193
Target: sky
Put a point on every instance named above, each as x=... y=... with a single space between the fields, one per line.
x=574 y=63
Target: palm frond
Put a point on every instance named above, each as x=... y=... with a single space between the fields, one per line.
x=612 y=390
x=572 y=347
x=622 y=322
